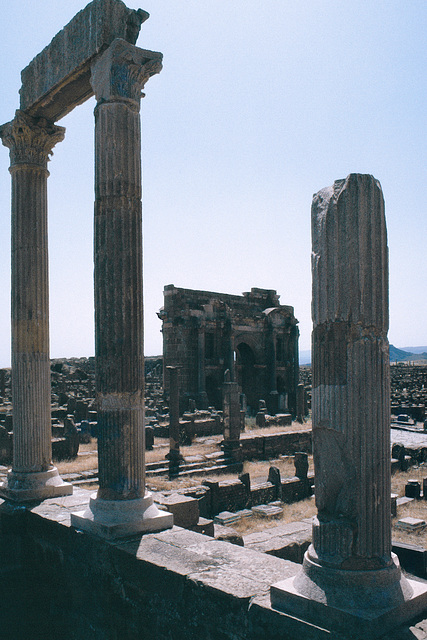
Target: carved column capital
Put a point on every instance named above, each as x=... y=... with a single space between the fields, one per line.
x=29 y=139
x=120 y=74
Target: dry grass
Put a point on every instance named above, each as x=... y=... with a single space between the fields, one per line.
x=291 y=513
x=86 y=460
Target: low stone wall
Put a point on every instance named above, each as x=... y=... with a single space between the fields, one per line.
x=233 y=495
x=275 y=444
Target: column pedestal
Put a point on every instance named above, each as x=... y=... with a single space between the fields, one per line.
x=362 y=605
x=114 y=519
x=34 y=486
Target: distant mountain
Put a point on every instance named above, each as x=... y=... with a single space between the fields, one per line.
x=415 y=349
x=396 y=355
x=408 y=354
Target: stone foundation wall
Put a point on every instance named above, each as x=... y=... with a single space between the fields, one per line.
x=176 y=584
x=233 y=495
x=275 y=444
x=56 y=582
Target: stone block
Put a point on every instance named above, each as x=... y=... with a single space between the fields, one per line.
x=294 y=489
x=204 y=526
x=411 y=524
x=286 y=541
x=393 y=505
x=413 y=558
x=227 y=534
x=185 y=509
x=252 y=447
x=263 y=493
x=229 y=495
x=413 y=489
x=267 y=511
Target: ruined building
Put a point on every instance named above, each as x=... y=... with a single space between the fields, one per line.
x=252 y=335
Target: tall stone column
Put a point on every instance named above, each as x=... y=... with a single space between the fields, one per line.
x=122 y=505
x=33 y=476
x=273 y=396
x=174 y=454
x=349 y=577
x=202 y=398
x=232 y=419
x=228 y=348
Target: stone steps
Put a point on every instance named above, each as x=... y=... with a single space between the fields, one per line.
x=199 y=466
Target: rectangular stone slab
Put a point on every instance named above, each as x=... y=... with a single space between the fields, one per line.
x=58 y=78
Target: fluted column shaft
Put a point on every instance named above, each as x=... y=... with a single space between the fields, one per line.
x=350 y=583
x=117 y=80
x=30 y=141
x=351 y=412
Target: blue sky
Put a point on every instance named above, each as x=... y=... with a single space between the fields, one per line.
x=258 y=106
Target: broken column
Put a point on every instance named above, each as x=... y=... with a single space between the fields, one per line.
x=122 y=506
x=33 y=477
x=300 y=403
x=350 y=579
x=231 y=412
x=174 y=454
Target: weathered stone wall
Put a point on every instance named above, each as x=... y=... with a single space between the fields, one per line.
x=271 y=445
x=56 y=582
x=178 y=584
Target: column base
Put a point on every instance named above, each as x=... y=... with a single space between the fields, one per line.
x=32 y=486
x=113 y=519
x=175 y=456
x=232 y=450
x=358 y=604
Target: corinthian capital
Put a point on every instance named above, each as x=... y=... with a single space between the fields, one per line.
x=29 y=139
x=122 y=71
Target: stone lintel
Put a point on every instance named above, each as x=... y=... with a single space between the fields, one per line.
x=58 y=78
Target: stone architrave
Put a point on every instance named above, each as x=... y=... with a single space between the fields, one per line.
x=122 y=505
x=350 y=579
x=33 y=477
x=59 y=77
